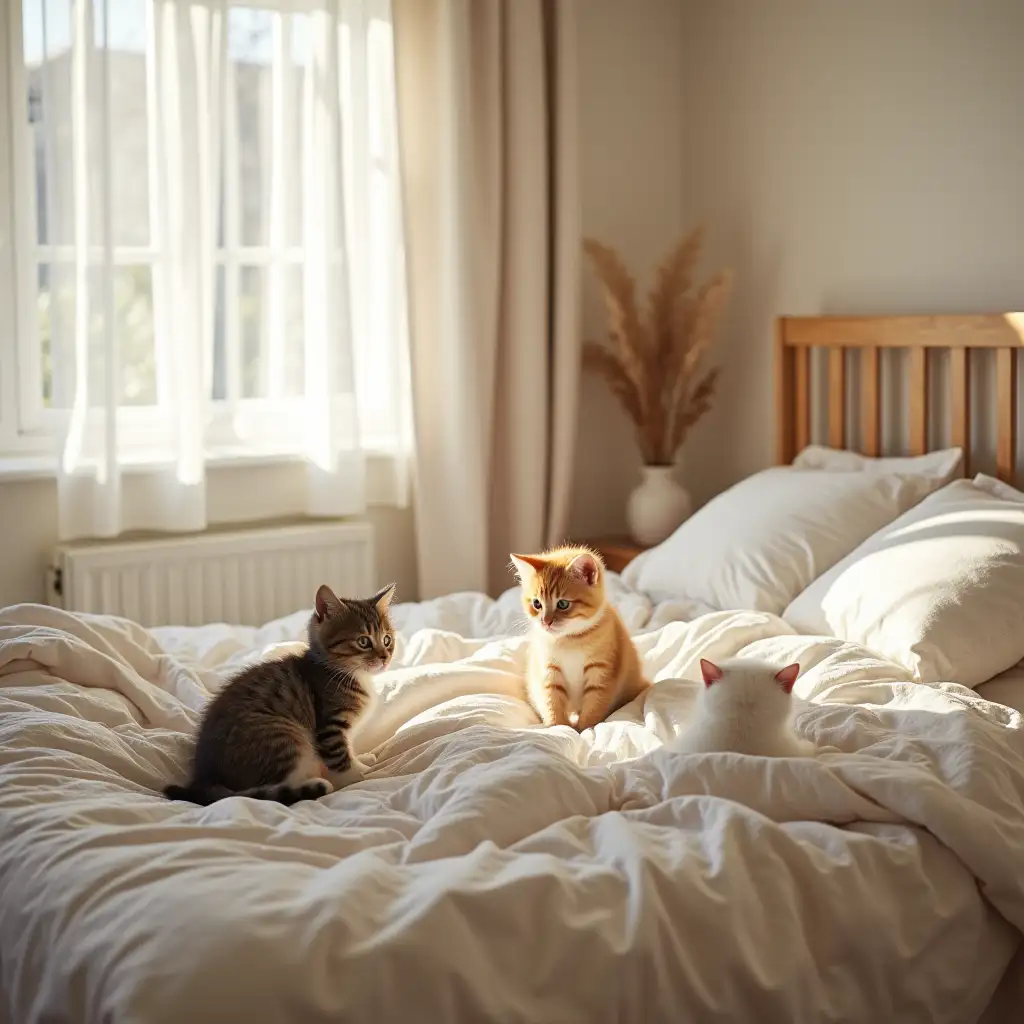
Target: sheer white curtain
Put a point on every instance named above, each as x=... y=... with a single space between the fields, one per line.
x=233 y=170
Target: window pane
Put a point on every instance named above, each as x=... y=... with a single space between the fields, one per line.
x=133 y=306
x=46 y=41
x=219 y=387
x=377 y=377
x=380 y=74
x=300 y=40
x=56 y=105
x=128 y=116
x=292 y=125
x=252 y=88
x=294 y=334
x=128 y=27
x=57 y=303
x=47 y=313
x=251 y=330
x=261 y=177
x=46 y=29
x=250 y=49
x=56 y=306
x=294 y=118
x=250 y=36
x=270 y=332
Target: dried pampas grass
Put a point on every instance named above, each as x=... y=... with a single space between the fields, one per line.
x=654 y=365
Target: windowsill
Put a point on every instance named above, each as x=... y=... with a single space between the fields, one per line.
x=22 y=468
x=19 y=468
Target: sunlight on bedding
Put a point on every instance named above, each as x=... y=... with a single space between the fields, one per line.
x=475 y=828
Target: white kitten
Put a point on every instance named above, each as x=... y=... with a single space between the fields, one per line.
x=745 y=706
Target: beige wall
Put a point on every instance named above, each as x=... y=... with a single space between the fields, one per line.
x=859 y=157
x=631 y=159
x=28 y=526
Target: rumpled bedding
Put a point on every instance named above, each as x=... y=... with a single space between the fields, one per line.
x=489 y=868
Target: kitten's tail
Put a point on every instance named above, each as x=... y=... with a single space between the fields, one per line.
x=204 y=795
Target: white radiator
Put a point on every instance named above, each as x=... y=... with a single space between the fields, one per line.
x=246 y=577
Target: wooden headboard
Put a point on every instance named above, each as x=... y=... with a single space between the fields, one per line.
x=843 y=340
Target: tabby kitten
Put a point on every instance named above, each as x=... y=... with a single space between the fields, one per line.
x=282 y=730
x=582 y=663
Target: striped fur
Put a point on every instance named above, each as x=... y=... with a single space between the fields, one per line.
x=282 y=729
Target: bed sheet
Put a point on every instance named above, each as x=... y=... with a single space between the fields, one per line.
x=492 y=869
x=469 y=615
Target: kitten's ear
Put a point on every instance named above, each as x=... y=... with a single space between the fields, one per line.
x=710 y=672
x=383 y=598
x=787 y=677
x=587 y=567
x=526 y=566
x=326 y=603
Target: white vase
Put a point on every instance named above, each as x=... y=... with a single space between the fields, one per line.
x=657 y=506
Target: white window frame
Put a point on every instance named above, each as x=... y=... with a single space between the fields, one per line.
x=12 y=270
x=237 y=431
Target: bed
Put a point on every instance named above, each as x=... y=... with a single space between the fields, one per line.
x=488 y=868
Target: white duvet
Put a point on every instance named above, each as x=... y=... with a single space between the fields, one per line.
x=489 y=869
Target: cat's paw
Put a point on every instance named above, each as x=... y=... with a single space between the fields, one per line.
x=550 y=718
x=587 y=721
x=349 y=777
x=313 y=789
x=365 y=760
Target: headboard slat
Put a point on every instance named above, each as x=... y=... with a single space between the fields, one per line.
x=837 y=398
x=1001 y=333
x=870 y=401
x=1006 y=405
x=918 y=401
x=784 y=398
x=960 y=402
x=803 y=397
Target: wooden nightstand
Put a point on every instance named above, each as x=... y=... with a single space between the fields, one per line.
x=617 y=552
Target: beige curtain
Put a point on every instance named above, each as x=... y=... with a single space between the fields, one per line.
x=487 y=120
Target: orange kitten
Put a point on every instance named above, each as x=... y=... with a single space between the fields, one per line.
x=582 y=664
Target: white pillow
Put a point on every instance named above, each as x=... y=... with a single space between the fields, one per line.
x=940 y=590
x=761 y=542
x=942 y=465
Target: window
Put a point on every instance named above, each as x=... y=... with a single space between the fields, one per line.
x=85 y=97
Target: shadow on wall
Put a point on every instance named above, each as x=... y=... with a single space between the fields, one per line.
x=607 y=462
x=722 y=449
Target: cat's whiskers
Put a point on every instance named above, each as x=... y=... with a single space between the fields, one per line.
x=339 y=676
